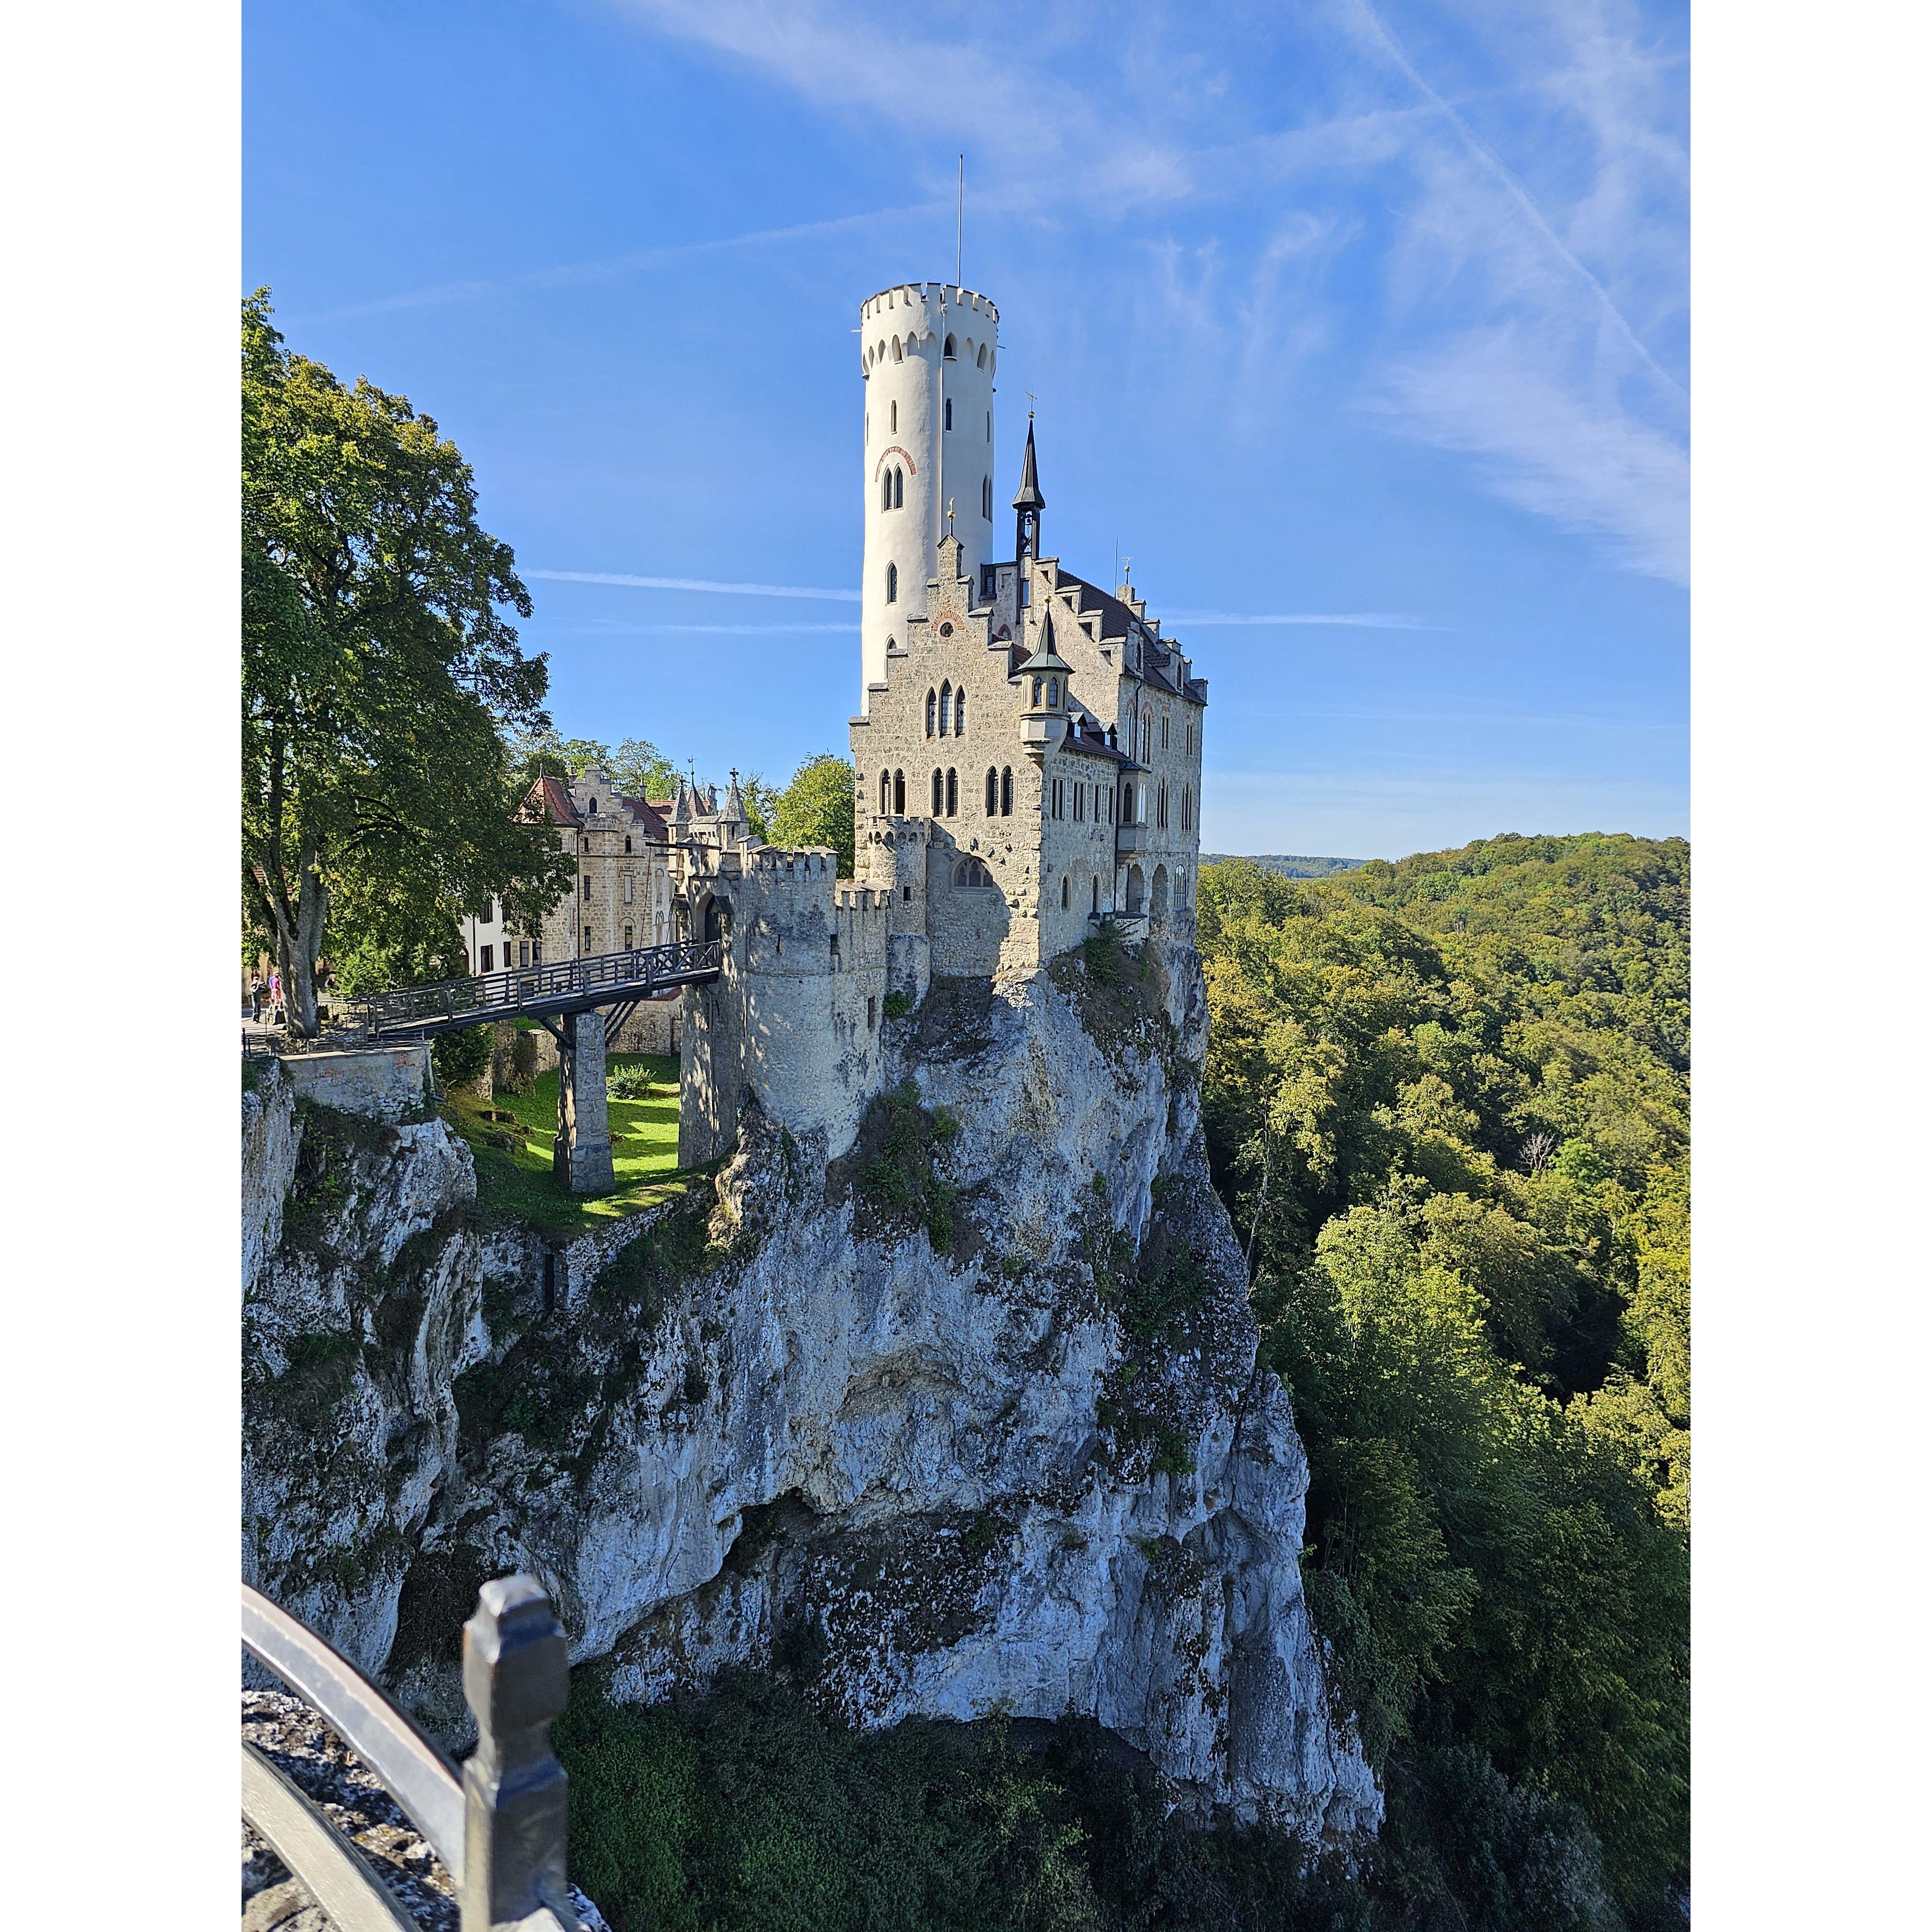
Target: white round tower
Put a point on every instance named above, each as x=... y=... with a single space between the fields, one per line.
x=927 y=352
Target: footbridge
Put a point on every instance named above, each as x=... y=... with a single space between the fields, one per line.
x=545 y=994
x=580 y=1003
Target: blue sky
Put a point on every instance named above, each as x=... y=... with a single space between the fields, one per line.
x=1333 y=312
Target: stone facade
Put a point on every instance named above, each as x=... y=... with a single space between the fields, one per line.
x=1027 y=767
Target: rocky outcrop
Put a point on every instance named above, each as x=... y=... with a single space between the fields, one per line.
x=968 y=1419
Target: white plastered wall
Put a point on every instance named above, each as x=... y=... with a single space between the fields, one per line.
x=902 y=333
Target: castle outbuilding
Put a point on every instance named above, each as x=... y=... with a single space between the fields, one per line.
x=1026 y=759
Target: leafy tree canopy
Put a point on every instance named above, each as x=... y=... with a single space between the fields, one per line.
x=636 y=766
x=1447 y=1103
x=378 y=675
x=816 y=809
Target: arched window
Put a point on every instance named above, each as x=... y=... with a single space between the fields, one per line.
x=886 y=490
x=1163 y=730
x=992 y=793
x=931 y=713
x=898 y=793
x=945 y=709
x=1147 y=734
x=1035 y=694
x=593 y=805
x=953 y=794
x=938 y=794
x=983 y=355
x=959 y=712
x=1006 y=792
x=891 y=583
x=970 y=875
x=951 y=355
x=1066 y=892
x=895 y=419
x=898 y=487
x=1053 y=693
x=899 y=356
x=627 y=841
x=885 y=793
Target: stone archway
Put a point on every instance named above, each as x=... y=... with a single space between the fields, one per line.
x=1136 y=890
x=1158 y=907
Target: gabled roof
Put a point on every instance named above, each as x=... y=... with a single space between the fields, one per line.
x=647 y=815
x=551 y=796
x=1117 y=622
x=1090 y=747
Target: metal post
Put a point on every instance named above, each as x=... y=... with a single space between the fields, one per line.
x=516 y=1678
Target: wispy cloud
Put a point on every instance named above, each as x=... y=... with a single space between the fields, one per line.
x=1583 y=463
x=1372 y=24
x=693 y=583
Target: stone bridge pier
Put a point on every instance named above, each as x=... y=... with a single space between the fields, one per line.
x=581 y=1158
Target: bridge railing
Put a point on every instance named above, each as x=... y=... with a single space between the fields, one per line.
x=498 y=1825
x=533 y=989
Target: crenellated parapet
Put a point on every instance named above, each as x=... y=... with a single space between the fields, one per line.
x=793 y=1020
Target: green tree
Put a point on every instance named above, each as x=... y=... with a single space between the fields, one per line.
x=816 y=809
x=1446 y=1102
x=761 y=800
x=636 y=766
x=378 y=673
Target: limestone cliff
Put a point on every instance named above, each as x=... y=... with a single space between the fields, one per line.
x=967 y=1419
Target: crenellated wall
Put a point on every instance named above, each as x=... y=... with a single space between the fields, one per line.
x=793 y=1019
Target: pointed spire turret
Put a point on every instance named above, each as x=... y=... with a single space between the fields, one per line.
x=1028 y=503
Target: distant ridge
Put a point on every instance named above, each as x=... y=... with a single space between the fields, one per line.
x=1290 y=865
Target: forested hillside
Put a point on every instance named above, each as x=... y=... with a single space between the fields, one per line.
x=1448 y=1105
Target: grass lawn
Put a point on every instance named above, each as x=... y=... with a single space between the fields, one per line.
x=517 y=1181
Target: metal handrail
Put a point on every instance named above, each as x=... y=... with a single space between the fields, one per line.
x=340 y=1880
x=417 y=1775
x=499 y=1827
x=593 y=980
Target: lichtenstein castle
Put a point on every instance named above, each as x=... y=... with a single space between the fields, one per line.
x=1026 y=762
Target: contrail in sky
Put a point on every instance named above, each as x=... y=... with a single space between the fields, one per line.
x=570 y=272
x=692 y=583
x=1369 y=620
